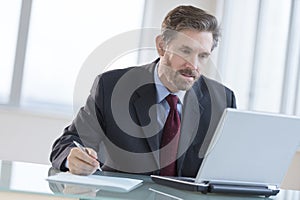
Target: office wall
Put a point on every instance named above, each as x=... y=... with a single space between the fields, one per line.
x=28 y=136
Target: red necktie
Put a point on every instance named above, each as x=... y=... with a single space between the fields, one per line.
x=171 y=133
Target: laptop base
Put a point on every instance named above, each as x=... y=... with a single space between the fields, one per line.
x=176 y=182
x=242 y=189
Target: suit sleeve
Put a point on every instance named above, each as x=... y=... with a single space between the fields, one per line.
x=86 y=128
x=233 y=101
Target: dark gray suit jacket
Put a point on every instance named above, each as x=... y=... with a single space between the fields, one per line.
x=119 y=121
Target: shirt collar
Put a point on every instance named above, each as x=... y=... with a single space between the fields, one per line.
x=162 y=91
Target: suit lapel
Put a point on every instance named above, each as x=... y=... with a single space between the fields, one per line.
x=144 y=99
x=192 y=111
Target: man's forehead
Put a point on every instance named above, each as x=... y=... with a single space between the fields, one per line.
x=185 y=41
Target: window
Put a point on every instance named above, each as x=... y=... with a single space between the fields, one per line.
x=259 y=53
x=258 y=56
x=236 y=47
x=61 y=36
x=9 y=21
x=270 y=61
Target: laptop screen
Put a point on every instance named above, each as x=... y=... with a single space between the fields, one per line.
x=251 y=147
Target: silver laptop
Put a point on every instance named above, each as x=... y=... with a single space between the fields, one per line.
x=249 y=153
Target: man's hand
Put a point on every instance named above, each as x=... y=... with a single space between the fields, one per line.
x=81 y=163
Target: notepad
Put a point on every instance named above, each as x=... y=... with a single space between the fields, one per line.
x=106 y=183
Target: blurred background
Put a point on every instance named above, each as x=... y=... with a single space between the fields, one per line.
x=44 y=43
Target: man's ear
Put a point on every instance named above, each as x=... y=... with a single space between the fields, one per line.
x=160 y=45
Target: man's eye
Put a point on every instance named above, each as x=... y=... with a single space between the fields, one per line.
x=185 y=51
x=203 y=56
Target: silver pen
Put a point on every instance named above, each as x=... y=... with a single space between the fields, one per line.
x=86 y=151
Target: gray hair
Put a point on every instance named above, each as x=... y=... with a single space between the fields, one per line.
x=189 y=17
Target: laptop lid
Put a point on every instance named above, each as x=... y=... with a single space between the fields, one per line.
x=251 y=148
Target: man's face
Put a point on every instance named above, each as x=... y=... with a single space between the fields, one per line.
x=182 y=59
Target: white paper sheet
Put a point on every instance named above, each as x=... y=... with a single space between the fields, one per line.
x=107 y=183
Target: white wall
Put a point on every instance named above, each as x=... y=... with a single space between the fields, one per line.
x=28 y=136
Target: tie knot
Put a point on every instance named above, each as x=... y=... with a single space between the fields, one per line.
x=172 y=101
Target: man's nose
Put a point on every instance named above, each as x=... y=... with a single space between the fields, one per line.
x=193 y=62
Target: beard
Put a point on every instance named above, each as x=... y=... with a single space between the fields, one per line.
x=178 y=79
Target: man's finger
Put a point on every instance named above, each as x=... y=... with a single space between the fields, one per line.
x=85 y=157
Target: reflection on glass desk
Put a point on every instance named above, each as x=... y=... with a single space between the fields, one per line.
x=31 y=178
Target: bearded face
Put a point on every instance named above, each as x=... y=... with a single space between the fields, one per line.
x=182 y=59
x=181 y=79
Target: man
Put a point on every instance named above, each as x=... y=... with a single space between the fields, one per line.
x=152 y=119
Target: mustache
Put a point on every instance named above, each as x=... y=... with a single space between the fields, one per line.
x=188 y=72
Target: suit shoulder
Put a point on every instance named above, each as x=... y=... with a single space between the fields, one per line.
x=217 y=89
x=116 y=73
x=214 y=83
x=124 y=76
